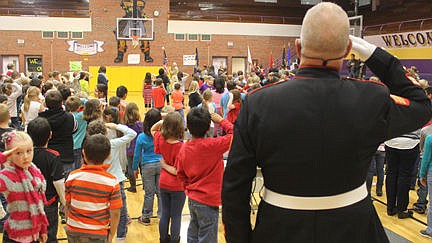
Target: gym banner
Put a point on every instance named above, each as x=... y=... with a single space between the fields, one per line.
x=85 y=49
x=416 y=39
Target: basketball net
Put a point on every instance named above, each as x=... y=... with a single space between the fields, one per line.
x=135 y=41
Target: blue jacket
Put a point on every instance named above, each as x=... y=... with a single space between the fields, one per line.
x=144 y=151
x=426 y=164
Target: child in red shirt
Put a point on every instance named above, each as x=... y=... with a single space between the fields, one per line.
x=200 y=167
x=158 y=94
x=168 y=134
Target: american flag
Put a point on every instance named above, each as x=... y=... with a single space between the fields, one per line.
x=165 y=61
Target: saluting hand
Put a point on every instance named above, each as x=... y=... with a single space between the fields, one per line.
x=9 y=152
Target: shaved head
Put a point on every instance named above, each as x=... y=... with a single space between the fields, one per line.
x=325 y=31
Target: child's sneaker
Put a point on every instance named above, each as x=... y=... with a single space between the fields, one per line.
x=425 y=234
x=144 y=221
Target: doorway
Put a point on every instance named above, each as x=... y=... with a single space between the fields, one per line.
x=219 y=62
x=238 y=64
x=10 y=59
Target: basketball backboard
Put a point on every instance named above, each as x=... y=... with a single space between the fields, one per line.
x=140 y=28
x=356 y=25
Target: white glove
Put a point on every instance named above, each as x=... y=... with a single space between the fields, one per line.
x=362 y=48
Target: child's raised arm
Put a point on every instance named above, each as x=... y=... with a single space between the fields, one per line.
x=230 y=104
x=156 y=127
x=128 y=134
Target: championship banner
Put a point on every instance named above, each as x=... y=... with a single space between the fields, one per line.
x=416 y=39
x=85 y=49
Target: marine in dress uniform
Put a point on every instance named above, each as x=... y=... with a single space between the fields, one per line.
x=314 y=137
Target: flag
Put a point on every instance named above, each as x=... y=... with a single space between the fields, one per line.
x=283 y=58
x=249 y=57
x=165 y=61
x=271 y=60
x=196 y=61
x=289 y=56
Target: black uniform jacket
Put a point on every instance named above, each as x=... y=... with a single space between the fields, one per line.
x=315 y=136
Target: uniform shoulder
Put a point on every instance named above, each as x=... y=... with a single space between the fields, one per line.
x=364 y=81
x=265 y=87
x=52 y=151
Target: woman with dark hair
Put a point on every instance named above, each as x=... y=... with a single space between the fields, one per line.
x=102 y=78
x=166 y=81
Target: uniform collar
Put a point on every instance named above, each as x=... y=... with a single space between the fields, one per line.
x=316 y=72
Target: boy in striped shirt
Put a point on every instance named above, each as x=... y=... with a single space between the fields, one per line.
x=93 y=196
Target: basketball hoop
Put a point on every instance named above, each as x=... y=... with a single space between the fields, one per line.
x=135 y=41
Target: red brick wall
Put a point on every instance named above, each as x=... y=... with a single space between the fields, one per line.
x=104 y=14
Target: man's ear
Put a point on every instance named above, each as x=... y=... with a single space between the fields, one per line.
x=348 y=49
x=298 y=47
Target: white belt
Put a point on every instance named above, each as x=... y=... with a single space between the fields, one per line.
x=315 y=203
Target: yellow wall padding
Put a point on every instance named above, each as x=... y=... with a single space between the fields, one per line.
x=131 y=77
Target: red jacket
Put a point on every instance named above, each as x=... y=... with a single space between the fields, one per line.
x=200 y=166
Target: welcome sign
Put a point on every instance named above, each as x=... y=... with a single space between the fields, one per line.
x=85 y=49
x=417 y=39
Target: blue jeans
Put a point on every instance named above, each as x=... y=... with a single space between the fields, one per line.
x=122 y=226
x=422 y=193
x=429 y=213
x=130 y=173
x=51 y=212
x=67 y=168
x=376 y=166
x=77 y=158
x=172 y=206
x=150 y=173
x=203 y=226
x=400 y=168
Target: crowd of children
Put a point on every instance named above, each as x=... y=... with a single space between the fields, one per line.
x=77 y=152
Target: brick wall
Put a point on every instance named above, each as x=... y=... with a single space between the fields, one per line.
x=104 y=13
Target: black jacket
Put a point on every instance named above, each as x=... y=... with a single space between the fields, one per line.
x=315 y=136
x=63 y=125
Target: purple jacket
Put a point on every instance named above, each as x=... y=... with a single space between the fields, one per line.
x=138 y=128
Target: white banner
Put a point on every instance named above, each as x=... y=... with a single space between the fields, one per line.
x=189 y=60
x=85 y=49
x=416 y=39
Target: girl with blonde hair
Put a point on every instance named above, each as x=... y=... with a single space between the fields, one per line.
x=32 y=105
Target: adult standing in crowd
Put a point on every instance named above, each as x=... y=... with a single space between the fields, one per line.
x=315 y=153
x=353 y=66
x=102 y=78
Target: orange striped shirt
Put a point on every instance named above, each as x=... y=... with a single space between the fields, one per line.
x=91 y=193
